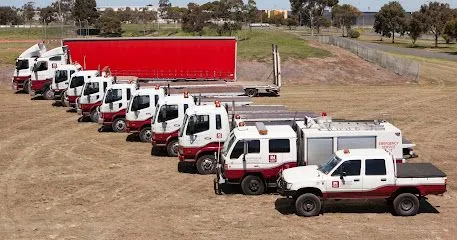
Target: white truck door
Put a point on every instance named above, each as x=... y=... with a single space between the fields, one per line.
x=253 y=154
x=376 y=176
x=346 y=180
x=168 y=118
x=202 y=131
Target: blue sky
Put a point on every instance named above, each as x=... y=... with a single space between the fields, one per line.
x=363 y=5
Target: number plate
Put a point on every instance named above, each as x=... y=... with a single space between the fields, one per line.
x=80 y=112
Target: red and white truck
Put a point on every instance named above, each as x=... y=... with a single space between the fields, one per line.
x=76 y=85
x=361 y=174
x=24 y=66
x=114 y=106
x=44 y=72
x=92 y=97
x=255 y=155
x=207 y=127
x=61 y=80
x=167 y=121
x=141 y=109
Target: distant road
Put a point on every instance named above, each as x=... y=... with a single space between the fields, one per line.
x=411 y=51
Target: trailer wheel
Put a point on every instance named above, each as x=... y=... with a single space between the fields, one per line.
x=251 y=92
x=406 y=204
x=252 y=185
x=206 y=164
x=308 y=205
x=119 y=125
x=48 y=94
x=94 y=115
x=172 y=148
x=146 y=134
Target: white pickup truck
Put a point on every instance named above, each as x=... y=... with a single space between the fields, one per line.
x=361 y=174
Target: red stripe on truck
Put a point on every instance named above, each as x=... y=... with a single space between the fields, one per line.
x=386 y=191
x=38 y=85
x=191 y=154
x=108 y=117
x=136 y=126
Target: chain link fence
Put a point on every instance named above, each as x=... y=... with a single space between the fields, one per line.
x=399 y=65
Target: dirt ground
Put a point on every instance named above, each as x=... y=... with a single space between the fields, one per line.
x=60 y=179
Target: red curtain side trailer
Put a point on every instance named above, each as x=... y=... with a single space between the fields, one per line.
x=168 y=58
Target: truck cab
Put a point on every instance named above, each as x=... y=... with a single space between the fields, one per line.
x=114 y=106
x=167 y=121
x=255 y=155
x=24 y=66
x=62 y=78
x=44 y=72
x=92 y=97
x=76 y=84
x=140 y=112
x=361 y=174
x=203 y=134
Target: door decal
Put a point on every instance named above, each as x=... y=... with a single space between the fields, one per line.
x=335 y=184
x=273 y=158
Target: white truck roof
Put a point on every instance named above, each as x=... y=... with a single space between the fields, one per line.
x=145 y=91
x=363 y=154
x=174 y=99
x=54 y=52
x=34 y=51
x=68 y=67
x=204 y=109
x=279 y=131
x=86 y=73
x=347 y=126
x=121 y=85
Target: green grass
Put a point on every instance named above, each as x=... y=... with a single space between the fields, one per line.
x=9 y=51
x=52 y=32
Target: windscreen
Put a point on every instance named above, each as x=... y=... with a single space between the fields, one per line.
x=91 y=88
x=113 y=95
x=40 y=66
x=61 y=76
x=22 y=64
x=77 y=82
x=327 y=167
x=231 y=140
x=141 y=102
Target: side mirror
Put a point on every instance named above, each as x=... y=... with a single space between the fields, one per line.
x=245 y=151
x=163 y=113
x=342 y=175
x=111 y=106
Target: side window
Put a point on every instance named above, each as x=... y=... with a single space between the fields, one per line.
x=56 y=58
x=105 y=85
x=375 y=167
x=238 y=150
x=167 y=113
x=129 y=94
x=201 y=123
x=279 y=145
x=72 y=72
x=254 y=146
x=218 y=122
x=351 y=168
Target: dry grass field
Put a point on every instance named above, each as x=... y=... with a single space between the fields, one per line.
x=60 y=179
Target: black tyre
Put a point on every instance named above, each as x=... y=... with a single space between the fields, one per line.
x=62 y=99
x=94 y=115
x=406 y=204
x=48 y=94
x=172 y=148
x=252 y=185
x=119 y=125
x=206 y=164
x=26 y=87
x=308 y=205
x=146 y=134
x=251 y=92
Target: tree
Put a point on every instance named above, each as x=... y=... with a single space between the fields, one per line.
x=164 y=6
x=8 y=15
x=390 y=19
x=126 y=15
x=29 y=11
x=251 y=11
x=415 y=27
x=194 y=20
x=451 y=29
x=109 y=23
x=345 y=16
x=292 y=22
x=63 y=7
x=435 y=15
x=311 y=9
x=48 y=15
x=176 y=13
x=85 y=10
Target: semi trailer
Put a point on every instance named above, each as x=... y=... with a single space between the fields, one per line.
x=361 y=174
x=255 y=155
x=24 y=66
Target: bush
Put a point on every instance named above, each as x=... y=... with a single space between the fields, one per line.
x=354 y=34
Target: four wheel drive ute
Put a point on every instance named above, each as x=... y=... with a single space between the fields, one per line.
x=362 y=174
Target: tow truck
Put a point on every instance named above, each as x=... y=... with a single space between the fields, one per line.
x=24 y=66
x=61 y=80
x=362 y=174
x=44 y=72
x=255 y=155
x=141 y=109
x=76 y=84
